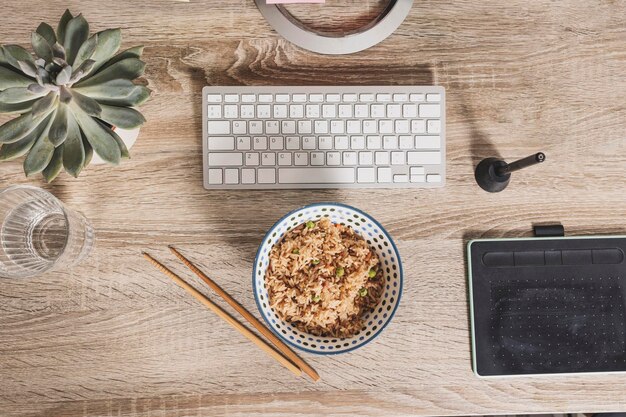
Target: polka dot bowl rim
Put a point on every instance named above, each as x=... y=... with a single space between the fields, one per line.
x=330 y=345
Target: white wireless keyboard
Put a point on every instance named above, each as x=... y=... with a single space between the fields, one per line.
x=323 y=137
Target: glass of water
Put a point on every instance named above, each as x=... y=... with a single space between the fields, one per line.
x=38 y=233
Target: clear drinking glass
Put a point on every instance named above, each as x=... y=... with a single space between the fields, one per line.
x=38 y=233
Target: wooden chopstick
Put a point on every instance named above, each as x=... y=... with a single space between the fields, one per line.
x=224 y=315
x=280 y=345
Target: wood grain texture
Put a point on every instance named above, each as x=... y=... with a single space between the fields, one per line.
x=113 y=337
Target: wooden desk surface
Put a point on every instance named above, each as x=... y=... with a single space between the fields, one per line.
x=114 y=337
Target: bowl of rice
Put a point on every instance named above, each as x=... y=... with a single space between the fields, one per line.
x=327 y=278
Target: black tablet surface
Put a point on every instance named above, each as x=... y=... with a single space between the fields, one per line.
x=548 y=305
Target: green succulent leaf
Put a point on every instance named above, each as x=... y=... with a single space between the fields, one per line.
x=10 y=151
x=44 y=105
x=138 y=95
x=28 y=68
x=54 y=166
x=109 y=42
x=16 y=129
x=129 y=69
x=15 y=53
x=58 y=51
x=63 y=77
x=76 y=33
x=67 y=16
x=86 y=103
x=40 y=154
x=47 y=32
x=10 y=79
x=109 y=90
x=74 y=151
x=124 y=117
x=84 y=69
x=102 y=142
x=65 y=95
x=88 y=149
x=15 y=95
x=86 y=51
x=17 y=107
x=41 y=47
x=123 y=149
x=134 y=52
x=58 y=129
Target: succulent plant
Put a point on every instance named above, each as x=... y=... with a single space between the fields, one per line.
x=68 y=96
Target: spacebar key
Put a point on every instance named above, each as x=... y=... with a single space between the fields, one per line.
x=316 y=175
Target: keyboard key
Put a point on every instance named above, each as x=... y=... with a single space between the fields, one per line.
x=321 y=126
x=417 y=170
x=333 y=98
x=317 y=158
x=383 y=97
x=247 y=111
x=382 y=158
x=231 y=176
x=309 y=143
x=366 y=175
x=402 y=126
x=265 y=98
x=377 y=110
x=277 y=142
x=268 y=158
x=305 y=126
x=390 y=142
x=266 y=175
x=231 y=98
x=323 y=175
x=349 y=158
x=418 y=126
x=417 y=97
x=406 y=142
x=296 y=111
x=385 y=126
x=248 y=176
x=243 y=143
x=434 y=126
x=231 y=111
x=288 y=127
x=345 y=110
x=409 y=110
x=284 y=158
x=325 y=142
x=357 y=142
x=373 y=142
x=424 y=158
x=282 y=98
x=316 y=98
x=361 y=110
x=353 y=126
x=329 y=111
x=397 y=158
x=248 y=98
x=333 y=158
x=369 y=126
x=312 y=111
x=350 y=98
x=433 y=178
x=429 y=110
x=280 y=111
x=240 y=127
x=225 y=159
x=263 y=111
x=272 y=127
x=341 y=142
x=301 y=158
x=214 y=98
x=400 y=97
x=221 y=143
x=367 y=97
x=400 y=178
x=384 y=175
x=255 y=127
x=260 y=143
x=215 y=176
x=366 y=158
x=299 y=98
x=218 y=127
x=433 y=97
x=214 y=111
x=252 y=159
x=293 y=142
x=427 y=142
x=418 y=178
x=337 y=126
x=394 y=110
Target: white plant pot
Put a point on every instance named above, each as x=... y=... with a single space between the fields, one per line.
x=128 y=137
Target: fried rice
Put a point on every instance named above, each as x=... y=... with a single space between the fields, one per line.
x=322 y=278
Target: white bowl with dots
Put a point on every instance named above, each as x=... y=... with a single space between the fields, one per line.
x=380 y=242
